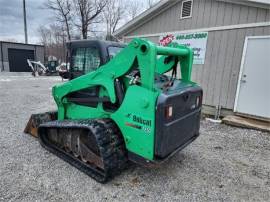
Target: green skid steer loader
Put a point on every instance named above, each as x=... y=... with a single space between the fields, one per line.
x=121 y=106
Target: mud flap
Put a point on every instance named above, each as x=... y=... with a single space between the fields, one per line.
x=37 y=119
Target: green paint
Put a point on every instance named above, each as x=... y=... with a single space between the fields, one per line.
x=136 y=115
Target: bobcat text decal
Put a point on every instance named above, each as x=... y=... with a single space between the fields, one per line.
x=139 y=120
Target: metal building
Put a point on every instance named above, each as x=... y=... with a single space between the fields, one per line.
x=231 y=41
x=13 y=56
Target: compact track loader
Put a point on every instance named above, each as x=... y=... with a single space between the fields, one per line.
x=121 y=107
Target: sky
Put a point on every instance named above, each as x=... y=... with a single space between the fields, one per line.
x=11 y=19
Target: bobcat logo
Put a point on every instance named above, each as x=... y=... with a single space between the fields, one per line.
x=139 y=119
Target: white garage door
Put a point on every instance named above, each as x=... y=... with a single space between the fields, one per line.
x=253 y=91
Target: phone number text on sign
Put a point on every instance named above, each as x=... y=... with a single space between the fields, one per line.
x=197 y=41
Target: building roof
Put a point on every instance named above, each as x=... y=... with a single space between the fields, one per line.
x=165 y=4
x=26 y=44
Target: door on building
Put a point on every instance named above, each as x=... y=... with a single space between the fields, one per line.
x=253 y=91
x=17 y=59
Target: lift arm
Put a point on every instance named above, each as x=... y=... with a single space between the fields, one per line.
x=181 y=53
x=141 y=52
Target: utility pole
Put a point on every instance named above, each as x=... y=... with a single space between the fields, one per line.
x=25 y=24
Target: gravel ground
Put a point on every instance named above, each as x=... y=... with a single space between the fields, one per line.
x=223 y=164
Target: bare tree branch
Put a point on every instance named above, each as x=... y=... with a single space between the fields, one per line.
x=54 y=40
x=113 y=12
x=62 y=10
x=134 y=8
x=88 y=11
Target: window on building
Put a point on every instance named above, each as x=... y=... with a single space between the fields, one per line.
x=186 y=10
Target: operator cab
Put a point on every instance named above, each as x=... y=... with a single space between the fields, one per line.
x=87 y=55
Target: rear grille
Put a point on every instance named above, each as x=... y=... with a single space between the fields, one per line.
x=183 y=125
x=183 y=104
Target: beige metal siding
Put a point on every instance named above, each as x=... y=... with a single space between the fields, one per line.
x=205 y=13
x=219 y=74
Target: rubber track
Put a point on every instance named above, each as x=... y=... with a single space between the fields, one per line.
x=109 y=140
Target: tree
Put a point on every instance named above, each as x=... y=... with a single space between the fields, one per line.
x=150 y=3
x=44 y=33
x=53 y=38
x=134 y=8
x=88 y=12
x=62 y=9
x=112 y=14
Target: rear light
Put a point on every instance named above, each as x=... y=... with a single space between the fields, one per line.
x=168 y=112
x=197 y=101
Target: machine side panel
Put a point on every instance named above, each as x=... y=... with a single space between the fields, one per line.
x=136 y=120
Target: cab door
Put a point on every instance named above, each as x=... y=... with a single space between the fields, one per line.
x=84 y=60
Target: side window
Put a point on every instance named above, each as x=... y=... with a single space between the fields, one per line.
x=78 y=59
x=85 y=59
x=113 y=50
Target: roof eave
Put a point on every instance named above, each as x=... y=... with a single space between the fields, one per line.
x=141 y=16
x=162 y=3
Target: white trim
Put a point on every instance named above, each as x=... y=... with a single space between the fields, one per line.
x=258 y=37
x=253 y=3
x=190 y=10
x=260 y=1
x=240 y=74
x=209 y=29
x=242 y=67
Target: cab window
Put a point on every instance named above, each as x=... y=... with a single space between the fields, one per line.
x=113 y=50
x=85 y=59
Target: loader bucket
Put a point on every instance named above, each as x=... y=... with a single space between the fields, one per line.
x=37 y=119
